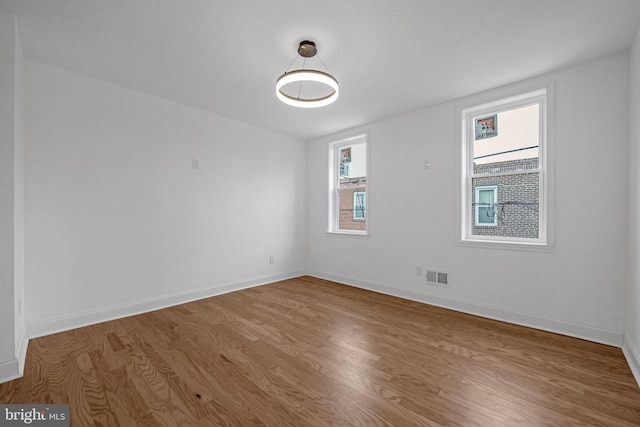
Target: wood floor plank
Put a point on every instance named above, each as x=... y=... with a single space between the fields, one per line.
x=310 y=352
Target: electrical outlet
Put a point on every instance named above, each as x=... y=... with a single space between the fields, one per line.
x=272 y=259
x=419 y=270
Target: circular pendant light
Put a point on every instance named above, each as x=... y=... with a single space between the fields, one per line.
x=307 y=49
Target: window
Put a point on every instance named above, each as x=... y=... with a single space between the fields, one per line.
x=504 y=173
x=485 y=202
x=348 y=209
x=359 y=205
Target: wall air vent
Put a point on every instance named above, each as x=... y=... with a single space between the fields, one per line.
x=437 y=278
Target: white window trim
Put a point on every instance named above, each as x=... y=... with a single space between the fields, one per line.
x=508 y=98
x=476 y=211
x=334 y=161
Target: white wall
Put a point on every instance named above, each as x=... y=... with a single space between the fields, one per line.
x=632 y=335
x=579 y=288
x=118 y=221
x=18 y=229
x=12 y=337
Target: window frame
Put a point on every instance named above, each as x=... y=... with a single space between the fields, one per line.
x=544 y=95
x=494 y=189
x=334 y=186
x=355 y=205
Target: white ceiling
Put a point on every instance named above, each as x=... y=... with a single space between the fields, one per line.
x=390 y=56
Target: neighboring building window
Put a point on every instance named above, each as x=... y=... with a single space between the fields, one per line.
x=504 y=174
x=359 y=205
x=348 y=202
x=485 y=202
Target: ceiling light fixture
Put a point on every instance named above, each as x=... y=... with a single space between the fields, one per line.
x=307 y=49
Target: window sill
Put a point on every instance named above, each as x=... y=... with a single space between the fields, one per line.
x=346 y=233
x=507 y=245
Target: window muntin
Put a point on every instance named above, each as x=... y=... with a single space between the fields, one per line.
x=504 y=147
x=348 y=208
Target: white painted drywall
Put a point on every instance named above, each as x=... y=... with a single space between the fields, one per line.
x=7 y=179
x=18 y=218
x=579 y=287
x=11 y=200
x=632 y=334
x=116 y=213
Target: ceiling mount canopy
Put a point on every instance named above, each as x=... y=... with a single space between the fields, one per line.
x=321 y=88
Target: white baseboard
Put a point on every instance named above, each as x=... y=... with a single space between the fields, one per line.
x=633 y=357
x=590 y=333
x=52 y=326
x=14 y=368
x=9 y=370
x=21 y=350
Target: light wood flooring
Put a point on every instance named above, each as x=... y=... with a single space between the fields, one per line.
x=308 y=352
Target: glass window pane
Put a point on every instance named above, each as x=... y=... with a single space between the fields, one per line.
x=352 y=185
x=359 y=205
x=514 y=208
x=485 y=196
x=512 y=144
x=353 y=161
x=486 y=215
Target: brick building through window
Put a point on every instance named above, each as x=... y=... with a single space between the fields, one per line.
x=515 y=209
x=353 y=203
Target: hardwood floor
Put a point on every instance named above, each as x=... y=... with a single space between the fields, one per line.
x=308 y=352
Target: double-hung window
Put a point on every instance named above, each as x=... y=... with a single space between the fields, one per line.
x=504 y=171
x=348 y=204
